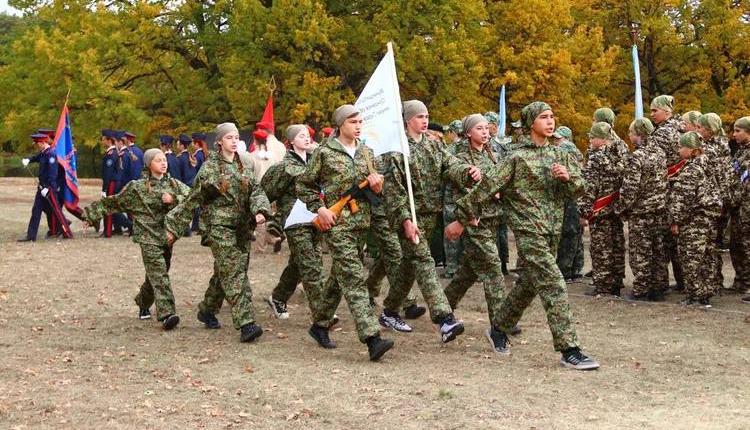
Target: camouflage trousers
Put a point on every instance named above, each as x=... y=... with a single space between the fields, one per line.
x=388 y=262
x=696 y=248
x=647 y=258
x=739 y=250
x=305 y=265
x=156 y=288
x=607 y=253
x=502 y=242
x=453 y=248
x=347 y=279
x=570 y=250
x=417 y=264
x=482 y=263
x=229 y=281
x=539 y=275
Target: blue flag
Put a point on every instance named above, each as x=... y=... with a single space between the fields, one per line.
x=66 y=158
x=638 y=96
x=502 y=115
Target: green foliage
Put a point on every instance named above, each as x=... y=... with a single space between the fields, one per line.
x=169 y=67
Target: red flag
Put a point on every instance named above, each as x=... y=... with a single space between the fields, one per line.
x=267 y=121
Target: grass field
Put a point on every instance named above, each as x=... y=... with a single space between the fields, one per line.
x=74 y=355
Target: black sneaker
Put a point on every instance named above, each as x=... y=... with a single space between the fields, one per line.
x=515 y=331
x=392 y=320
x=589 y=274
x=413 y=312
x=504 y=267
x=144 y=313
x=278 y=308
x=637 y=297
x=377 y=347
x=576 y=276
x=249 y=332
x=656 y=296
x=573 y=358
x=450 y=327
x=334 y=321
x=745 y=300
x=498 y=341
x=209 y=320
x=170 y=322
x=320 y=334
x=26 y=239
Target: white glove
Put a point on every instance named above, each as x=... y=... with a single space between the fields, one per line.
x=25 y=162
x=44 y=192
x=104 y=194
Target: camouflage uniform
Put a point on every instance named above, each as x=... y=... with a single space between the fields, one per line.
x=332 y=171
x=603 y=175
x=305 y=254
x=720 y=168
x=694 y=204
x=503 y=147
x=143 y=200
x=534 y=202
x=666 y=136
x=453 y=248
x=570 y=252
x=642 y=202
x=431 y=164
x=230 y=198
x=481 y=261
x=739 y=243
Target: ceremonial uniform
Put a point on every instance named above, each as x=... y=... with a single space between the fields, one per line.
x=45 y=199
x=109 y=184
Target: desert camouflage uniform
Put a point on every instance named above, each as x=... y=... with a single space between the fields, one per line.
x=143 y=199
x=332 y=171
x=720 y=168
x=603 y=176
x=570 y=251
x=481 y=261
x=642 y=202
x=666 y=136
x=534 y=207
x=230 y=198
x=305 y=254
x=431 y=164
x=739 y=243
x=693 y=205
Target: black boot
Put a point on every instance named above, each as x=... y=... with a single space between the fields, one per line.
x=209 y=320
x=170 y=322
x=320 y=334
x=504 y=267
x=249 y=332
x=377 y=347
x=413 y=312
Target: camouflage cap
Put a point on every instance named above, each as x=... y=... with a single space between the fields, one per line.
x=564 y=132
x=600 y=130
x=531 y=111
x=641 y=127
x=691 y=140
x=743 y=123
x=492 y=117
x=691 y=117
x=605 y=114
x=456 y=126
x=711 y=121
x=663 y=102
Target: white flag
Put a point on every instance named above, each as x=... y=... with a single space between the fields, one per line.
x=299 y=215
x=380 y=106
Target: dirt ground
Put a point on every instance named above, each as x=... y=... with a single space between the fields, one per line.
x=74 y=355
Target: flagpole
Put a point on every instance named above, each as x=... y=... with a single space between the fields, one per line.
x=404 y=143
x=636 y=71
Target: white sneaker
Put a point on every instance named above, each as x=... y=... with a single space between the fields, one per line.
x=278 y=308
x=394 y=322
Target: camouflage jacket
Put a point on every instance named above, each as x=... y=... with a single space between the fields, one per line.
x=602 y=176
x=431 y=165
x=666 y=136
x=619 y=146
x=502 y=146
x=740 y=182
x=279 y=182
x=228 y=195
x=693 y=193
x=534 y=200
x=644 y=182
x=331 y=172
x=142 y=199
x=492 y=208
x=720 y=164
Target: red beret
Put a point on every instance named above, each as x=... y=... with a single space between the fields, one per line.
x=260 y=134
x=327 y=131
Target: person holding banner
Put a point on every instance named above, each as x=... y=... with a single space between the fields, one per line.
x=535 y=182
x=666 y=136
x=342 y=166
x=642 y=202
x=603 y=175
x=430 y=164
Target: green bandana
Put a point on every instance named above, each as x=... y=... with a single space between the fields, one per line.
x=641 y=127
x=531 y=111
x=691 y=140
x=663 y=102
x=711 y=121
x=604 y=115
x=600 y=130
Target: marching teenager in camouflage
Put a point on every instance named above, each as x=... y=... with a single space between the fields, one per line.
x=535 y=182
x=232 y=203
x=454 y=132
x=666 y=136
x=501 y=145
x=453 y=248
x=642 y=203
x=431 y=165
x=716 y=149
x=690 y=121
x=305 y=254
x=570 y=251
x=148 y=200
x=693 y=205
x=340 y=163
x=603 y=175
x=607 y=115
x=739 y=244
x=481 y=261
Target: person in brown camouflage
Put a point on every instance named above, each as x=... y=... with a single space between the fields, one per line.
x=693 y=204
x=739 y=245
x=232 y=204
x=642 y=202
x=149 y=199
